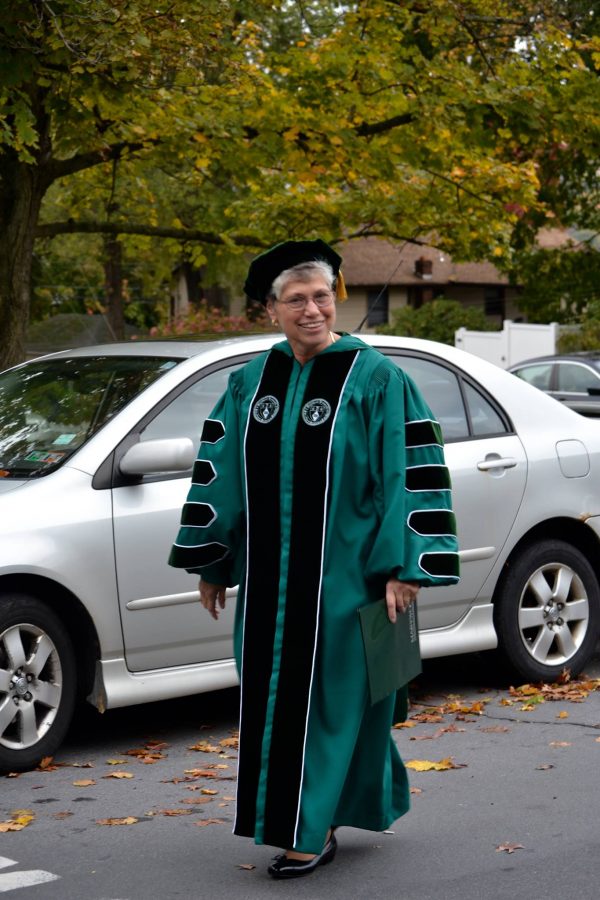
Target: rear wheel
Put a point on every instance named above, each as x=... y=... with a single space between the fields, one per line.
x=37 y=682
x=548 y=611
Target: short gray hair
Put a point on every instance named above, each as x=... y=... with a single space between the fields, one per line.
x=302 y=272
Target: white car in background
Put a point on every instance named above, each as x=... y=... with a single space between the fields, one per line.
x=96 y=450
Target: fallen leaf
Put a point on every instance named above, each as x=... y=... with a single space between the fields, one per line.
x=202 y=822
x=86 y=765
x=146 y=754
x=562 y=715
x=597 y=740
x=477 y=707
x=528 y=707
x=247 y=866
x=204 y=747
x=117 y=762
x=208 y=791
x=230 y=742
x=84 y=782
x=495 y=729
x=62 y=815
x=448 y=729
x=118 y=775
x=560 y=743
x=200 y=773
x=462 y=718
x=405 y=725
x=510 y=848
x=13 y=774
x=195 y=801
x=426 y=765
x=506 y=702
x=45 y=762
x=427 y=717
x=545 y=766
x=422 y=737
x=228 y=798
x=128 y=820
x=416 y=790
x=21 y=818
x=174 y=812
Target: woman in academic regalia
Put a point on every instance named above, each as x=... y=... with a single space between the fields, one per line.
x=324 y=474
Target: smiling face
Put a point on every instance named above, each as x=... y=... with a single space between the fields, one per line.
x=307 y=329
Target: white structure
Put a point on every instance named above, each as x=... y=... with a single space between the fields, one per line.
x=516 y=341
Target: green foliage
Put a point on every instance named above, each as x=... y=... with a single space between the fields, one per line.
x=207 y=320
x=558 y=285
x=585 y=335
x=471 y=123
x=436 y=321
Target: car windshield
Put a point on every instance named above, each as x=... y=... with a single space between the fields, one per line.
x=49 y=408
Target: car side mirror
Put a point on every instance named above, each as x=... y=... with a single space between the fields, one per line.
x=158 y=457
x=594 y=391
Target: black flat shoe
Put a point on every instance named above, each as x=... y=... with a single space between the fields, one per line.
x=282 y=867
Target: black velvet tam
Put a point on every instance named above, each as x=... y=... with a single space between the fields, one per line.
x=265 y=268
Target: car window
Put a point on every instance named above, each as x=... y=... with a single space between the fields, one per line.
x=50 y=407
x=484 y=418
x=576 y=378
x=185 y=415
x=442 y=393
x=538 y=375
x=441 y=388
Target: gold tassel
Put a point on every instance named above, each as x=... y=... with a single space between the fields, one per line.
x=340 y=288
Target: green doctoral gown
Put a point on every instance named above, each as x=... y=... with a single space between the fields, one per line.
x=314 y=484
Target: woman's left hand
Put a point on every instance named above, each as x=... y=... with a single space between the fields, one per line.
x=399 y=595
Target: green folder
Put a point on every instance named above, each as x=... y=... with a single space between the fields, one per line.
x=391 y=650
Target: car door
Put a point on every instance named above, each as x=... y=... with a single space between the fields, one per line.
x=488 y=467
x=163 y=622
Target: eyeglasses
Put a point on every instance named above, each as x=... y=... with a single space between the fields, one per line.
x=322 y=299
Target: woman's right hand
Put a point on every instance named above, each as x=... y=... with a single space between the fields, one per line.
x=212 y=597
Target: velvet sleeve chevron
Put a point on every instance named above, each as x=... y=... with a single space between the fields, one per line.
x=416 y=540
x=211 y=539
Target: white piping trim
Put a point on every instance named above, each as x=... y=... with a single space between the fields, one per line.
x=427 y=534
x=196 y=546
x=200 y=503
x=219 y=422
x=312 y=674
x=250 y=408
x=205 y=483
x=437 y=553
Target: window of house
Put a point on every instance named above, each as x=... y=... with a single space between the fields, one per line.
x=378 y=303
x=494 y=301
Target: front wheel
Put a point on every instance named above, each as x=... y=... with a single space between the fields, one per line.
x=547 y=611
x=37 y=682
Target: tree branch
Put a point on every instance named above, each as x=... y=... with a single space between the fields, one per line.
x=59 y=168
x=52 y=229
x=366 y=129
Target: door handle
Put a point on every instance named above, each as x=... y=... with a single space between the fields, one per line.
x=498 y=462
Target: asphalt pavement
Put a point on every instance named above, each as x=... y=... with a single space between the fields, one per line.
x=509 y=811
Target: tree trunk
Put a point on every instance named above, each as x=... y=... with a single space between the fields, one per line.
x=22 y=188
x=113 y=286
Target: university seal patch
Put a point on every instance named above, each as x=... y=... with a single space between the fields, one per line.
x=266 y=409
x=316 y=411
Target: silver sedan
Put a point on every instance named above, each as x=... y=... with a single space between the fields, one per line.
x=96 y=449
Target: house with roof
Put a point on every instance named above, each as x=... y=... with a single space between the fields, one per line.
x=382 y=276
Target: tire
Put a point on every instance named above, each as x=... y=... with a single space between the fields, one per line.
x=547 y=611
x=38 y=682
